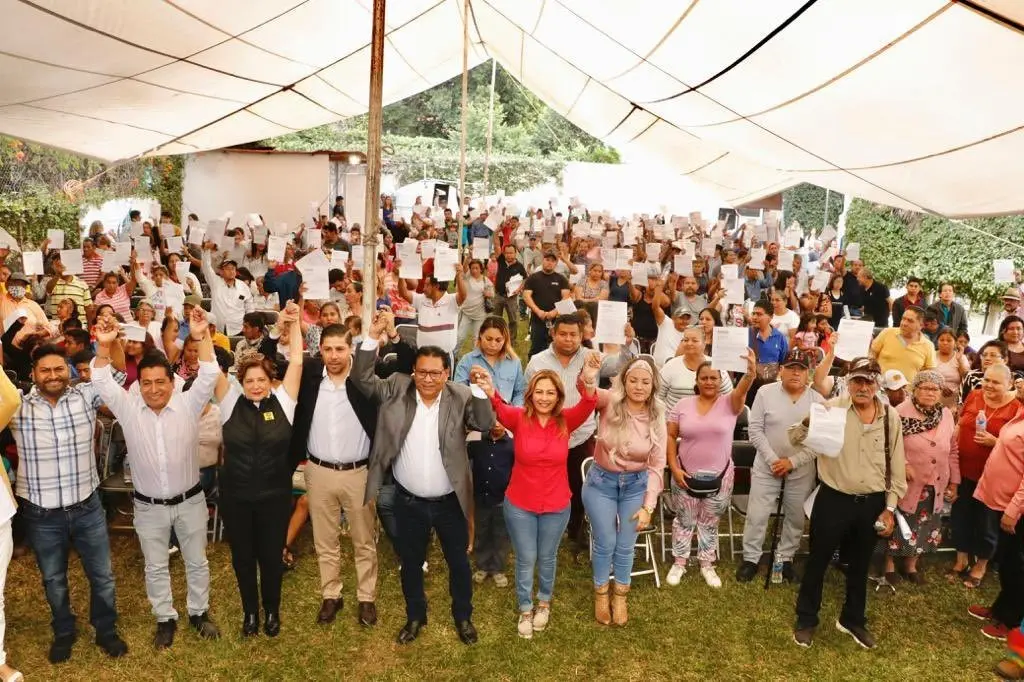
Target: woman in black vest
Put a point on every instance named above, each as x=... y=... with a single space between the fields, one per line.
x=256 y=476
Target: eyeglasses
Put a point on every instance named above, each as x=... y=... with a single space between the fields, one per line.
x=433 y=374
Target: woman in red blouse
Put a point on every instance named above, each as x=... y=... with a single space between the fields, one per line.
x=537 y=497
x=976 y=527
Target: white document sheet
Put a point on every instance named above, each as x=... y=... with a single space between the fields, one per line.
x=611 y=322
x=71 y=259
x=729 y=348
x=854 y=338
x=826 y=432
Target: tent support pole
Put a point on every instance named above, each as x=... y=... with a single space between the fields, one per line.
x=490 y=124
x=462 y=133
x=373 y=214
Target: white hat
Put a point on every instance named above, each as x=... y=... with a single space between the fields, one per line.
x=894 y=380
x=211 y=318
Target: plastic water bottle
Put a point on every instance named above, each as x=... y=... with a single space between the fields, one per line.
x=980 y=422
x=777 y=571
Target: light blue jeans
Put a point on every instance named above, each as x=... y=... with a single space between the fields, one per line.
x=535 y=539
x=611 y=499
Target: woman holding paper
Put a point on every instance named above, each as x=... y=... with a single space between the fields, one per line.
x=537 y=498
x=933 y=471
x=951 y=364
x=474 y=288
x=494 y=352
x=702 y=469
x=679 y=374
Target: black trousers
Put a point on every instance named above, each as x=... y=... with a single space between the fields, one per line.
x=1008 y=608
x=975 y=526
x=415 y=517
x=539 y=337
x=577 y=513
x=842 y=521
x=490 y=540
x=256 y=533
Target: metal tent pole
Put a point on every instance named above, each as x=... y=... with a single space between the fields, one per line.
x=462 y=133
x=490 y=124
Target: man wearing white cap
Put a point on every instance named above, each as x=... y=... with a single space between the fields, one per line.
x=1011 y=303
x=895 y=384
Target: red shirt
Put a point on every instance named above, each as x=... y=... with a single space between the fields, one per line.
x=973 y=456
x=540 y=480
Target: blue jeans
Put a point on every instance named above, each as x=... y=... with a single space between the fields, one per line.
x=52 y=532
x=386 y=513
x=611 y=500
x=535 y=539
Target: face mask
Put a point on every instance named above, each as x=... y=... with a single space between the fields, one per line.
x=16 y=291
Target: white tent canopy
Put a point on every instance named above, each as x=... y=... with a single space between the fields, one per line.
x=915 y=103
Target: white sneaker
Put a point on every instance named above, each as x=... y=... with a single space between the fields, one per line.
x=424 y=566
x=675 y=574
x=541 y=616
x=500 y=580
x=526 y=625
x=479 y=577
x=710 y=577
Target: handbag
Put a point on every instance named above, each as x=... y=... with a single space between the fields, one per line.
x=701 y=488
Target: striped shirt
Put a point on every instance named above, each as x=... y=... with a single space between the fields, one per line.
x=56 y=447
x=92 y=270
x=75 y=289
x=436 y=322
x=120 y=301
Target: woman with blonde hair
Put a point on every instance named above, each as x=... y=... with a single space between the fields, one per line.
x=537 y=498
x=622 y=486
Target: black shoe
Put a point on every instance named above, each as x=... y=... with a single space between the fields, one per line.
x=789 y=573
x=164 y=636
x=367 y=613
x=112 y=644
x=328 y=610
x=746 y=572
x=250 y=624
x=204 y=626
x=272 y=625
x=804 y=637
x=60 y=649
x=859 y=634
x=410 y=631
x=467 y=633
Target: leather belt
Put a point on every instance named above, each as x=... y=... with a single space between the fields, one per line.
x=339 y=466
x=171 y=501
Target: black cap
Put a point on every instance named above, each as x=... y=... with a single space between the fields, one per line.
x=797 y=357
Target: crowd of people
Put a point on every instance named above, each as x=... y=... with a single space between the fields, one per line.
x=232 y=385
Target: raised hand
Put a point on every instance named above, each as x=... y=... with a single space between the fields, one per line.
x=199 y=327
x=107 y=330
x=482 y=378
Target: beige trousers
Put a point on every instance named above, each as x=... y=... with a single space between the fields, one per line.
x=330 y=492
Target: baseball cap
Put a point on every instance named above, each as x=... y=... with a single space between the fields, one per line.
x=18 y=277
x=551 y=253
x=211 y=318
x=865 y=368
x=193 y=299
x=229 y=262
x=893 y=380
x=1011 y=293
x=682 y=312
x=797 y=357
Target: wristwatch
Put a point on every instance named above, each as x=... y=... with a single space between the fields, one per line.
x=891 y=510
x=649 y=510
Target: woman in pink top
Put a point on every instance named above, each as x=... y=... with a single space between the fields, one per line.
x=1001 y=488
x=623 y=483
x=933 y=471
x=537 y=498
x=702 y=470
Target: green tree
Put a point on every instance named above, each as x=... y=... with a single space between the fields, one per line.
x=805 y=204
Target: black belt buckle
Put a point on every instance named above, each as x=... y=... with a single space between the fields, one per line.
x=859 y=498
x=170 y=501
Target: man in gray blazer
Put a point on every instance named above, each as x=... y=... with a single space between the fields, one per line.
x=422 y=422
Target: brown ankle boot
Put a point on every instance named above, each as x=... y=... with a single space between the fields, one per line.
x=620 y=613
x=602 y=606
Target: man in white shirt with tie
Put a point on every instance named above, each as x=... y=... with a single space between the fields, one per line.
x=161 y=430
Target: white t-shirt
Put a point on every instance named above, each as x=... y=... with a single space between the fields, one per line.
x=437 y=322
x=668 y=341
x=787 y=321
x=679 y=381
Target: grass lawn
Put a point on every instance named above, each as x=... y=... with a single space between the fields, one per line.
x=684 y=633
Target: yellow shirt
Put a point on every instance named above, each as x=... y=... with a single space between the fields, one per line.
x=893 y=352
x=220 y=340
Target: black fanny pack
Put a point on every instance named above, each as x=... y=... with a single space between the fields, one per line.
x=704 y=487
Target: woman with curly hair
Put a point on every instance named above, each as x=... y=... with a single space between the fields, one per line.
x=622 y=486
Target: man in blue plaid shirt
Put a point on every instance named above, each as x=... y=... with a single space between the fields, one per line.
x=56 y=490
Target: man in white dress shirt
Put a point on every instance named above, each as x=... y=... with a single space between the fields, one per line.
x=161 y=430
